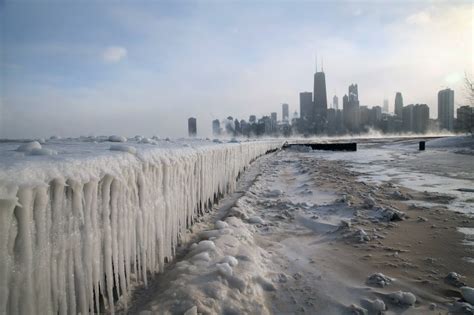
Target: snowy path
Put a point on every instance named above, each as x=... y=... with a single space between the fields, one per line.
x=276 y=251
x=301 y=235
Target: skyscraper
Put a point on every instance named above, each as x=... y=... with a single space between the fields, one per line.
x=350 y=108
x=354 y=94
x=399 y=105
x=320 y=101
x=285 y=112
x=385 y=106
x=446 y=109
x=421 y=118
x=216 y=127
x=408 y=118
x=274 y=116
x=306 y=105
x=335 y=102
x=192 y=127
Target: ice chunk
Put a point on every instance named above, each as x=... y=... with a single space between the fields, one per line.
x=123 y=148
x=221 y=225
x=379 y=279
x=468 y=294
x=274 y=193
x=454 y=279
x=203 y=246
x=402 y=298
x=256 y=220
x=376 y=306
x=362 y=235
x=392 y=215
x=462 y=308
x=231 y=260
x=116 y=138
x=147 y=140
x=224 y=269
x=203 y=256
x=27 y=147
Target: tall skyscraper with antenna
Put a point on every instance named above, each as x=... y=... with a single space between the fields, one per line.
x=320 y=99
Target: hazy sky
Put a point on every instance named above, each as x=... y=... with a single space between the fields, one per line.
x=82 y=67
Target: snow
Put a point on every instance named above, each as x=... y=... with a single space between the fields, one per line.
x=88 y=224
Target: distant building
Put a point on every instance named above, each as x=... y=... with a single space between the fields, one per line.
x=230 y=126
x=421 y=118
x=264 y=126
x=237 y=127
x=216 y=127
x=274 y=121
x=416 y=118
x=398 y=105
x=245 y=127
x=274 y=117
x=350 y=108
x=407 y=118
x=192 y=127
x=285 y=112
x=446 y=109
x=385 y=108
x=375 y=116
x=252 y=119
x=335 y=102
x=465 y=119
x=364 y=113
x=320 y=102
x=306 y=105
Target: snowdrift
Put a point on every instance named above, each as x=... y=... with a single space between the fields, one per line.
x=77 y=231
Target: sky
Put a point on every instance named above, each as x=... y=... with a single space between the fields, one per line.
x=71 y=68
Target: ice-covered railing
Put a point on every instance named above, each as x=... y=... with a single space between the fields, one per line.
x=79 y=228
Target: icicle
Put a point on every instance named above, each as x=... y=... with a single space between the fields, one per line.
x=67 y=246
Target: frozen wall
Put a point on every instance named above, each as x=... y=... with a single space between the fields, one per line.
x=73 y=231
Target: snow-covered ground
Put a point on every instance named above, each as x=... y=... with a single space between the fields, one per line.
x=309 y=235
x=87 y=220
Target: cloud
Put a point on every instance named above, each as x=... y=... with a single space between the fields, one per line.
x=420 y=18
x=357 y=12
x=114 y=54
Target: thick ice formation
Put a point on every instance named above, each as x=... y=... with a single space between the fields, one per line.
x=75 y=232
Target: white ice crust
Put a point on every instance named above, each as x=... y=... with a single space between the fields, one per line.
x=79 y=224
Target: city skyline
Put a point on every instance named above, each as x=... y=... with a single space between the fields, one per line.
x=131 y=79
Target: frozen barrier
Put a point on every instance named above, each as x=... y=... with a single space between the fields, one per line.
x=75 y=234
